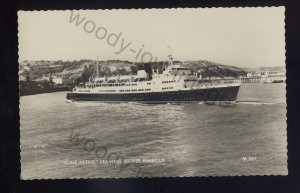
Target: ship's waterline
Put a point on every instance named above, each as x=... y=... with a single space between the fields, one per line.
x=195 y=95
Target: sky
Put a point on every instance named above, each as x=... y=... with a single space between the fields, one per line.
x=242 y=37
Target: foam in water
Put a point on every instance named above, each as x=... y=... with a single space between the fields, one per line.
x=256 y=103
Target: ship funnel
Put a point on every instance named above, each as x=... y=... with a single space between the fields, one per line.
x=148 y=70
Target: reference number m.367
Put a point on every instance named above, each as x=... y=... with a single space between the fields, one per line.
x=249 y=158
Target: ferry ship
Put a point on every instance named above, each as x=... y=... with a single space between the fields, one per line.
x=176 y=84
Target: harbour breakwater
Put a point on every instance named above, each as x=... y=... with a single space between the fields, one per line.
x=250 y=80
x=33 y=91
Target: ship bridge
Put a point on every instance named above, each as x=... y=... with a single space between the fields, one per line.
x=177 y=70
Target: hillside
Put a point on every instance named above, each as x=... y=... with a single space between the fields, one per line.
x=261 y=69
x=211 y=69
x=73 y=69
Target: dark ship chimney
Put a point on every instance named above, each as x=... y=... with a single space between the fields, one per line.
x=148 y=70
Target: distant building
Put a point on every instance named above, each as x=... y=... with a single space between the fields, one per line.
x=271 y=76
x=62 y=80
x=249 y=75
x=127 y=68
x=112 y=68
x=44 y=77
x=268 y=76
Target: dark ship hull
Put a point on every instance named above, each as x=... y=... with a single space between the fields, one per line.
x=209 y=94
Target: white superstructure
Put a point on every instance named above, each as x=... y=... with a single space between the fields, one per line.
x=174 y=78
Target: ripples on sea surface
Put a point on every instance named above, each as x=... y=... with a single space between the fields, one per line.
x=194 y=139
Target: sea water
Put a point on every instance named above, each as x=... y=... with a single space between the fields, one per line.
x=60 y=139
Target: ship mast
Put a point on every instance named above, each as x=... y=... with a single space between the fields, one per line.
x=170 y=57
x=97 y=67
